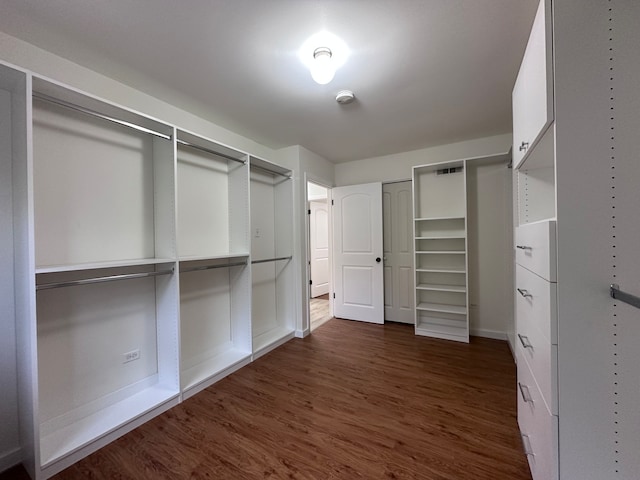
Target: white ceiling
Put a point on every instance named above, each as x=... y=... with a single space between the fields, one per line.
x=425 y=72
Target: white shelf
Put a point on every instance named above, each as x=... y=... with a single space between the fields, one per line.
x=439 y=307
x=429 y=219
x=449 y=237
x=442 y=270
x=271 y=339
x=98 y=265
x=212 y=367
x=197 y=258
x=442 y=288
x=63 y=441
x=441 y=252
x=445 y=332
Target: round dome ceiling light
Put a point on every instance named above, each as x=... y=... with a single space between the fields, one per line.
x=345 y=97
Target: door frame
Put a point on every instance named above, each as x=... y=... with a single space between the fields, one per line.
x=308 y=178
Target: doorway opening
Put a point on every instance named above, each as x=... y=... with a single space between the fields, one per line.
x=318 y=254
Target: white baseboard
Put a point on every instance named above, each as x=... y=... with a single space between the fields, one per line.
x=481 y=332
x=10 y=458
x=302 y=333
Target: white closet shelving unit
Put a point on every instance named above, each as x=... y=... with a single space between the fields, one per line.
x=272 y=269
x=101 y=348
x=128 y=268
x=213 y=251
x=440 y=235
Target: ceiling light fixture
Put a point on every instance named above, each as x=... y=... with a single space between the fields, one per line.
x=323 y=53
x=322 y=69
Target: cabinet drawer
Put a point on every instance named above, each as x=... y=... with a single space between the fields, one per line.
x=536 y=248
x=542 y=358
x=539 y=429
x=536 y=303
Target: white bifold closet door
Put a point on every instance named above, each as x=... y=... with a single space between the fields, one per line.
x=398 y=252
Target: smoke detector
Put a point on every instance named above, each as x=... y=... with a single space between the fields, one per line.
x=345 y=96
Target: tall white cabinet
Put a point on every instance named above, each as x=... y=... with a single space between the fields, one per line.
x=578 y=230
x=440 y=236
x=128 y=268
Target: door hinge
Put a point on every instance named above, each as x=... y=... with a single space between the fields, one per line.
x=310 y=282
x=332 y=202
x=334 y=294
x=309 y=211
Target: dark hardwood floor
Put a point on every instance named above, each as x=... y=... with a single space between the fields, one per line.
x=350 y=401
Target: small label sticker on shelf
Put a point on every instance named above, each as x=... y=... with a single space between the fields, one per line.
x=131 y=356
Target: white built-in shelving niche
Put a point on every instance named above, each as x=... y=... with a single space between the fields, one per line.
x=105 y=252
x=272 y=268
x=213 y=250
x=440 y=236
x=536 y=182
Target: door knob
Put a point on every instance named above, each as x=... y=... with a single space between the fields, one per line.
x=378 y=259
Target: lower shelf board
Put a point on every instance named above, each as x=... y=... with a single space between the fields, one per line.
x=271 y=339
x=441 y=288
x=63 y=441
x=440 y=307
x=213 y=367
x=447 y=328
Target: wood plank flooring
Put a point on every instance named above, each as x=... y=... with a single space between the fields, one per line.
x=351 y=401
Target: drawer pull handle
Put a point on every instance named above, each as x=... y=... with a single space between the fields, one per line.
x=524 y=340
x=523 y=247
x=524 y=293
x=526 y=394
x=524 y=146
x=526 y=444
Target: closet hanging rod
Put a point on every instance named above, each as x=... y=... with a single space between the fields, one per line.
x=615 y=292
x=213 y=152
x=209 y=267
x=271 y=260
x=93 y=113
x=111 y=278
x=287 y=176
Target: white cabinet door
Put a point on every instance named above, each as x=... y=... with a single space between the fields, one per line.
x=357 y=241
x=532 y=107
x=319 y=246
x=398 y=252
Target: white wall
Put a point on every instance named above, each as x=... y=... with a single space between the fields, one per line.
x=490 y=217
x=398 y=166
x=316 y=192
x=307 y=166
x=37 y=60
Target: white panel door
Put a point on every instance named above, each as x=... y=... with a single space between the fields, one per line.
x=319 y=246
x=398 y=252
x=357 y=250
